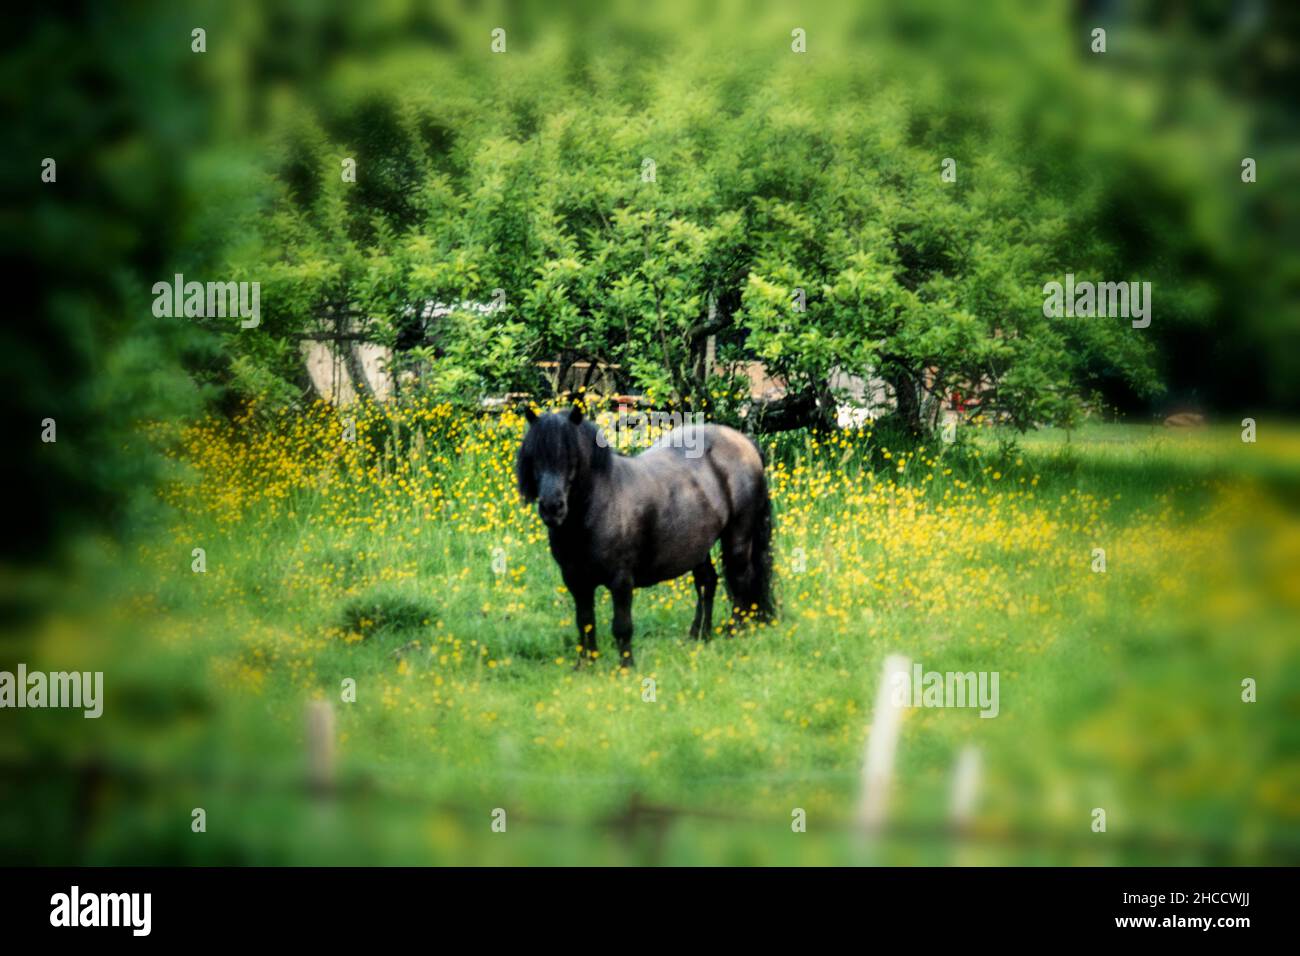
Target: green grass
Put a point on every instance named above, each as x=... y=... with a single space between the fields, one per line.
x=1118 y=690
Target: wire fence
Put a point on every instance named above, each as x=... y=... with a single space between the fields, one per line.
x=872 y=825
x=639 y=817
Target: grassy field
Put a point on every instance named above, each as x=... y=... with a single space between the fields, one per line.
x=404 y=561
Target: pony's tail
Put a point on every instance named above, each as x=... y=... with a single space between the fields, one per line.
x=761 y=559
x=748 y=565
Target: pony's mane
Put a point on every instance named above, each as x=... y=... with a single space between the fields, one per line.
x=552 y=442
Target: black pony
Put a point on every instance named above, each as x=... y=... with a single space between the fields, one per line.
x=632 y=522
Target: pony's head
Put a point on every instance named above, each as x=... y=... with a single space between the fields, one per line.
x=559 y=453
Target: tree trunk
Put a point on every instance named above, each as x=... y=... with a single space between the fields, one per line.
x=907 y=399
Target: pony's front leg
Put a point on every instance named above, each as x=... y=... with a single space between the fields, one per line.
x=621 y=590
x=584 y=606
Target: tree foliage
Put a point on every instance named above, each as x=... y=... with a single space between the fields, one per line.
x=631 y=200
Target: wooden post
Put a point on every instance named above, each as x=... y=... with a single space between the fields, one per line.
x=965 y=790
x=320 y=746
x=882 y=741
x=965 y=787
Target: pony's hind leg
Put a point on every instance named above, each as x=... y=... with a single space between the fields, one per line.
x=706 y=585
x=739 y=574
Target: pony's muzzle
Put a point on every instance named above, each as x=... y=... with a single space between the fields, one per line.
x=553 y=511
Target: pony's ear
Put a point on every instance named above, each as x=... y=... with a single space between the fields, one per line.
x=575 y=416
x=529 y=414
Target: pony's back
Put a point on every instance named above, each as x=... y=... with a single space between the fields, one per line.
x=719 y=456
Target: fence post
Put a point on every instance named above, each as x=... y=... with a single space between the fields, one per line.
x=965 y=786
x=965 y=789
x=320 y=746
x=882 y=741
